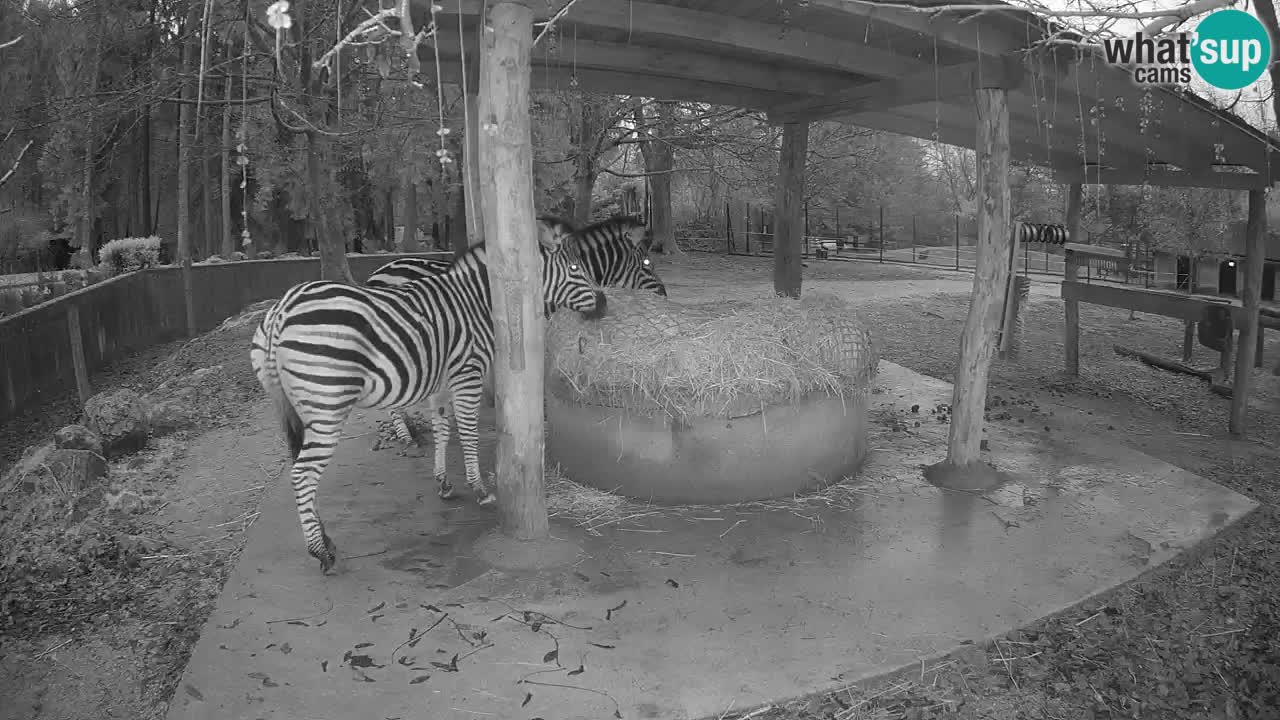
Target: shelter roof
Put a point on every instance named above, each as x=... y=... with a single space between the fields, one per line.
x=893 y=67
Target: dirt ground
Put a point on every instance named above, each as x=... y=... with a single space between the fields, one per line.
x=1198 y=638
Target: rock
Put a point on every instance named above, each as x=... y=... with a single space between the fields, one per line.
x=119 y=417
x=125 y=501
x=265 y=255
x=77 y=470
x=238 y=256
x=169 y=416
x=77 y=437
x=27 y=472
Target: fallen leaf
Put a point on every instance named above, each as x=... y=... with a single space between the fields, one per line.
x=195 y=693
x=420 y=679
x=286 y=648
x=363 y=645
x=579 y=671
x=298 y=623
x=232 y=625
x=551 y=656
x=606 y=647
x=432 y=608
x=527 y=697
x=324 y=666
x=376 y=608
x=268 y=647
x=457 y=605
x=608 y=615
x=374 y=618
x=361 y=661
x=536 y=626
x=405 y=661
x=581 y=577
x=673 y=583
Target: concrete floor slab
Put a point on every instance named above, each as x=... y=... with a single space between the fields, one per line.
x=684 y=613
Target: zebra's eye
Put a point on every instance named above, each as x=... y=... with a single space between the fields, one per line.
x=573 y=266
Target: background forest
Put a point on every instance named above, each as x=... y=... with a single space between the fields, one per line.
x=90 y=99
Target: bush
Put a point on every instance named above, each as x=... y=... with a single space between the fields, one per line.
x=128 y=254
x=10 y=302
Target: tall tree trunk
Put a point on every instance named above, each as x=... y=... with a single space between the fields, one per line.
x=185 y=111
x=389 y=221
x=142 y=193
x=659 y=161
x=411 y=218
x=332 y=246
x=586 y=166
x=87 y=197
x=209 y=171
x=224 y=186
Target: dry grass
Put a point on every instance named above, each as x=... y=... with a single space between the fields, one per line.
x=726 y=359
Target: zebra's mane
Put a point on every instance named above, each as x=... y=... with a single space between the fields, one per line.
x=610 y=222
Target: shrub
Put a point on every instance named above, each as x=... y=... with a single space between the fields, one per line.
x=10 y=302
x=128 y=254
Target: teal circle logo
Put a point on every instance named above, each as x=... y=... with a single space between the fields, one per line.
x=1231 y=50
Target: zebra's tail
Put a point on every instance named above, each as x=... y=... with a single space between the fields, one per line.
x=262 y=355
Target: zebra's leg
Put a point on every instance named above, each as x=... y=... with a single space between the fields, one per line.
x=440 y=436
x=319 y=438
x=466 y=410
x=401 y=427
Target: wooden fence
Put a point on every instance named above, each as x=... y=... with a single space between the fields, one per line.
x=111 y=319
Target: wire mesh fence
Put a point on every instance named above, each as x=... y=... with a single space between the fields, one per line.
x=955 y=250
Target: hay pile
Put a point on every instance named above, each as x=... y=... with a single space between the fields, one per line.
x=728 y=359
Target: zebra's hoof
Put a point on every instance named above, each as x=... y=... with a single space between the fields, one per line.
x=328 y=557
x=486 y=498
x=447 y=492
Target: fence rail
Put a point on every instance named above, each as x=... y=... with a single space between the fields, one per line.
x=956 y=256
x=130 y=312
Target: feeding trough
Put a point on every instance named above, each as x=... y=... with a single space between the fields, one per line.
x=711 y=403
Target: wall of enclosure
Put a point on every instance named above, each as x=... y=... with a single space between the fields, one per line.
x=133 y=311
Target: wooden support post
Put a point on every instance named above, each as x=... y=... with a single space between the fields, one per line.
x=1071 y=273
x=1188 y=339
x=1251 y=300
x=991 y=273
x=77 y=353
x=506 y=168
x=471 y=167
x=789 y=209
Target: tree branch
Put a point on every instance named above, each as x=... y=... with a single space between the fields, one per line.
x=14 y=168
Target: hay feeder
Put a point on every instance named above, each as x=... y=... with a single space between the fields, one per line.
x=709 y=404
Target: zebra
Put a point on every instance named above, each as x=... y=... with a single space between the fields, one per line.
x=614 y=251
x=326 y=348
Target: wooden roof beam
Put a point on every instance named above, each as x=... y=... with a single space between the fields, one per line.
x=767 y=41
x=682 y=64
x=554 y=77
x=1166 y=178
x=934 y=84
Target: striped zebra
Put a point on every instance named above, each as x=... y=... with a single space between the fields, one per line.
x=326 y=348
x=615 y=253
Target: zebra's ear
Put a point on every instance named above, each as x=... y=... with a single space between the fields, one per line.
x=646 y=240
x=552 y=232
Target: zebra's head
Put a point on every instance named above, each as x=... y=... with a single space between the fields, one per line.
x=565 y=281
x=617 y=251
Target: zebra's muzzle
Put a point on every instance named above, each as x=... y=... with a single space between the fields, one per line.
x=599 y=310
